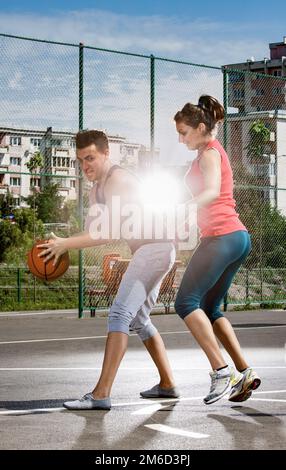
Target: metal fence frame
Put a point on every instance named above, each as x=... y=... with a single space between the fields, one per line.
x=152 y=92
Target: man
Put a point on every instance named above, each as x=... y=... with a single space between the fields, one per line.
x=140 y=284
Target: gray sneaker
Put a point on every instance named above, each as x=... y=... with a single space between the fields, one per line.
x=221 y=383
x=87 y=402
x=159 y=392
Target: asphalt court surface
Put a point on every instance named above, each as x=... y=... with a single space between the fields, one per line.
x=49 y=357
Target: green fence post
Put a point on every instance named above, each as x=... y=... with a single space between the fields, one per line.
x=247 y=287
x=80 y=184
x=152 y=109
x=225 y=105
x=19 y=284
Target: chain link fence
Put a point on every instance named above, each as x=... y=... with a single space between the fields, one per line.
x=51 y=90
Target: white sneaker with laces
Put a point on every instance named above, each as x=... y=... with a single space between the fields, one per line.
x=221 y=383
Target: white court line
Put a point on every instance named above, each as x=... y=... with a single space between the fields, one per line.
x=134 y=403
x=164 y=333
x=9 y=315
x=270 y=391
x=269 y=399
x=30 y=411
x=45 y=340
x=153 y=402
x=175 y=431
x=149 y=410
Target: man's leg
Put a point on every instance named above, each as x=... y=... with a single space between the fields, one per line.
x=152 y=339
x=115 y=348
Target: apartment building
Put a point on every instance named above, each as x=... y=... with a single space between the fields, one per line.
x=257 y=91
x=57 y=148
x=250 y=91
x=269 y=169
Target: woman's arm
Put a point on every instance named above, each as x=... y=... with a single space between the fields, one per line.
x=210 y=165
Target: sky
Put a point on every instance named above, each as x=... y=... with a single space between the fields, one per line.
x=205 y=32
x=40 y=82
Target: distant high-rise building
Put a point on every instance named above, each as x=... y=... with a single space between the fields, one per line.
x=257 y=92
x=250 y=92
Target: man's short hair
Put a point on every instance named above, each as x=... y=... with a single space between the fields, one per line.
x=88 y=137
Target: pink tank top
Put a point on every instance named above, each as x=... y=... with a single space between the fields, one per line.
x=219 y=217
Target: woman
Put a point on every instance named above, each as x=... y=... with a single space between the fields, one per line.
x=224 y=245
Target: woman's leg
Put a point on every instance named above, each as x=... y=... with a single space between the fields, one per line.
x=213 y=299
x=201 y=328
x=224 y=331
x=205 y=269
x=226 y=335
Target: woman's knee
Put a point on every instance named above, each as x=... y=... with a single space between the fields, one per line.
x=213 y=316
x=185 y=306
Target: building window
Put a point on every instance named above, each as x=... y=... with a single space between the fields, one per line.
x=72 y=183
x=15 y=181
x=15 y=161
x=35 y=182
x=16 y=201
x=70 y=143
x=235 y=77
x=272 y=171
x=35 y=142
x=277 y=73
x=15 y=140
x=238 y=94
x=72 y=163
x=276 y=91
x=61 y=162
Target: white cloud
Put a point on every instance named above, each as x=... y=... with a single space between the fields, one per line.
x=15 y=82
x=200 y=40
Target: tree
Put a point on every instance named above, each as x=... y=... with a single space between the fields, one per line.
x=24 y=218
x=10 y=235
x=70 y=216
x=265 y=223
x=259 y=135
x=48 y=203
x=7 y=204
x=35 y=162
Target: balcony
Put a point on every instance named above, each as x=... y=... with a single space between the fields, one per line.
x=265 y=172
x=4 y=188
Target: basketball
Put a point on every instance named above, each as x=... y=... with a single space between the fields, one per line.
x=46 y=271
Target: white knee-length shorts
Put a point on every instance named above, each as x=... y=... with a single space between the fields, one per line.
x=139 y=289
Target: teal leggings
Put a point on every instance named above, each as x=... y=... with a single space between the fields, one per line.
x=210 y=272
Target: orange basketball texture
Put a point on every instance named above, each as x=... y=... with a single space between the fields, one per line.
x=46 y=271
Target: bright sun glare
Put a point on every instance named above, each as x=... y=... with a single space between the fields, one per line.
x=160 y=191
